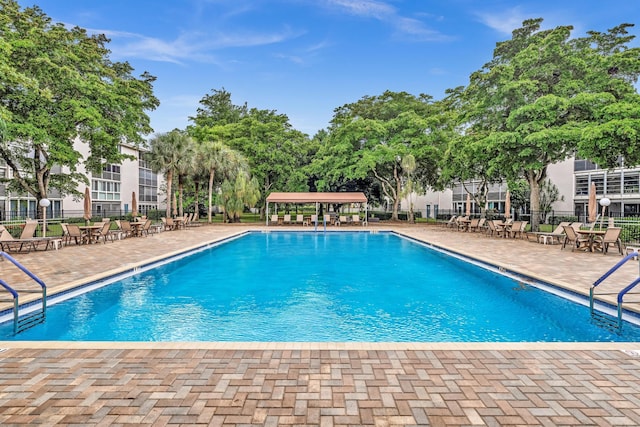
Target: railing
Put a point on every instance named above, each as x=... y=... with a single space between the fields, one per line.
x=620 y=295
x=20 y=323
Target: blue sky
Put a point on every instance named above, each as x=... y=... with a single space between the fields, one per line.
x=304 y=58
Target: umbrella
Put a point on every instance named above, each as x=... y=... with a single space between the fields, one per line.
x=468 y=212
x=87 y=204
x=593 y=206
x=134 y=205
x=507 y=204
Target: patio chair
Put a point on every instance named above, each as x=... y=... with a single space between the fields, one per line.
x=473 y=225
x=167 y=223
x=145 y=229
x=314 y=219
x=491 y=229
x=342 y=219
x=103 y=233
x=300 y=219
x=274 y=219
x=75 y=234
x=499 y=228
x=611 y=236
x=355 y=219
x=576 y=241
x=518 y=229
x=287 y=219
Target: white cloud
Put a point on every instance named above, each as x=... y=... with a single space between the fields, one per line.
x=190 y=46
x=504 y=22
x=383 y=12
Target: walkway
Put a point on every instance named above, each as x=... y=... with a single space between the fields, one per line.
x=328 y=384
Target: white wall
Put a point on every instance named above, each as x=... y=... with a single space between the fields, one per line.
x=561 y=174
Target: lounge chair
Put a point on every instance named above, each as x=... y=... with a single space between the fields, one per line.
x=451 y=223
x=342 y=219
x=576 y=241
x=611 y=236
x=10 y=244
x=314 y=219
x=473 y=225
x=287 y=219
x=548 y=237
x=274 y=219
x=355 y=219
x=300 y=219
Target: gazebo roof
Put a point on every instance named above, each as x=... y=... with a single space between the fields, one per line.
x=340 y=197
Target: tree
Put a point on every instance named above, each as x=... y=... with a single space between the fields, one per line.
x=465 y=158
x=535 y=102
x=58 y=85
x=275 y=152
x=166 y=150
x=239 y=191
x=549 y=194
x=220 y=161
x=369 y=138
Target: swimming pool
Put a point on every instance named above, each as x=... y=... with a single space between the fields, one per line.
x=304 y=286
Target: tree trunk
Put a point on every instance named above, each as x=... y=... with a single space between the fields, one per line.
x=169 y=192
x=195 y=202
x=180 y=193
x=535 y=179
x=210 y=194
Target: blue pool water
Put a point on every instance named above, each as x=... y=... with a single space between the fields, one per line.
x=304 y=286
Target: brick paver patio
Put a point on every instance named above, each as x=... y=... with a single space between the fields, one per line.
x=326 y=384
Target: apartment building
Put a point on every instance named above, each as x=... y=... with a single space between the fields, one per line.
x=111 y=191
x=454 y=199
x=620 y=185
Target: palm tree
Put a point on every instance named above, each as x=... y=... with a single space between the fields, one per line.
x=185 y=167
x=211 y=156
x=243 y=191
x=166 y=150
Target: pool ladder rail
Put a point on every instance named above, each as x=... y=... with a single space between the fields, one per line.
x=603 y=319
x=32 y=317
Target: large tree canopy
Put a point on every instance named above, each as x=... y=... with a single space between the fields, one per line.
x=372 y=137
x=544 y=96
x=57 y=85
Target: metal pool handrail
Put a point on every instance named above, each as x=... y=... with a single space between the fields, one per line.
x=20 y=324
x=621 y=294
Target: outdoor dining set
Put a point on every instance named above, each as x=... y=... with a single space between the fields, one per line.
x=575 y=235
x=86 y=233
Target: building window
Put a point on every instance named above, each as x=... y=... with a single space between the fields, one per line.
x=613 y=184
x=105 y=190
x=111 y=172
x=582 y=185
x=631 y=183
x=148 y=185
